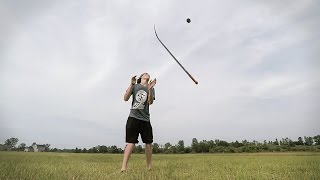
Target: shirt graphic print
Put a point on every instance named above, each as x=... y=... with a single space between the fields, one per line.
x=141 y=98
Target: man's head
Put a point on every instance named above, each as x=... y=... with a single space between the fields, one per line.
x=144 y=78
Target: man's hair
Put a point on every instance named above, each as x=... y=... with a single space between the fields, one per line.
x=139 y=80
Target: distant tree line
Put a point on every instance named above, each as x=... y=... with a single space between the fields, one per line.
x=11 y=145
x=204 y=146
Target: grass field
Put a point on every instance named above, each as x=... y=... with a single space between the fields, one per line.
x=21 y=165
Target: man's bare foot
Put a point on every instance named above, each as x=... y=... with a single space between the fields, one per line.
x=123 y=170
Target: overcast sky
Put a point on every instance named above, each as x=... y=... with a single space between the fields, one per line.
x=65 y=65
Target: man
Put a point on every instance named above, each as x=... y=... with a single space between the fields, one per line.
x=139 y=118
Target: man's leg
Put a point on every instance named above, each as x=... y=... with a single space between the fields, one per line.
x=132 y=133
x=127 y=152
x=148 y=150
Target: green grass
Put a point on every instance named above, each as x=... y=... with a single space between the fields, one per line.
x=21 y=165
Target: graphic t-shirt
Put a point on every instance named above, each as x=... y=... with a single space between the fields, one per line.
x=140 y=105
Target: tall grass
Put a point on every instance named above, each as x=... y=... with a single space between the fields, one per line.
x=21 y=165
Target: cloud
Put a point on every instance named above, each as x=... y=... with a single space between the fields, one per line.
x=277 y=86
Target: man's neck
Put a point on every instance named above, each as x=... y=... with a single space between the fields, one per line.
x=144 y=84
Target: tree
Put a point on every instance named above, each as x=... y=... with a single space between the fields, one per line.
x=286 y=142
x=276 y=142
x=173 y=149
x=265 y=142
x=156 y=148
x=180 y=146
x=21 y=147
x=203 y=146
x=245 y=142
x=47 y=147
x=11 y=142
x=103 y=149
x=77 y=150
x=225 y=143
x=300 y=141
x=114 y=149
x=187 y=149
x=93 y=150
x=138 y=149
x=167 y=147
x=211 y=144
x=291 y=143
x=236 y=144
x=195 y=145
x=317 y=139
x=308 y=141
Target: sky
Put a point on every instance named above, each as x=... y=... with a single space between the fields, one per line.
x=65 y=66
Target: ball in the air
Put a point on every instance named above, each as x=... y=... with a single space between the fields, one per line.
x=188 y=20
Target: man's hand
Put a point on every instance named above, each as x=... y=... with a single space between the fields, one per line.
x=133 y=80
x=152 y=83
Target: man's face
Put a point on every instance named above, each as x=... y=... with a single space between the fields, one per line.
x=145 y=78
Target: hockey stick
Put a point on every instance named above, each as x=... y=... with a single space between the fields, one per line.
x=174 y=57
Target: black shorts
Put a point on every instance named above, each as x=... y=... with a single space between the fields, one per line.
x=134 y=127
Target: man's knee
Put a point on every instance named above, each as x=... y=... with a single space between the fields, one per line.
x=148 y=146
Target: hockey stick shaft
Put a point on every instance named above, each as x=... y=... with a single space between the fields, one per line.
x=195 y=81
